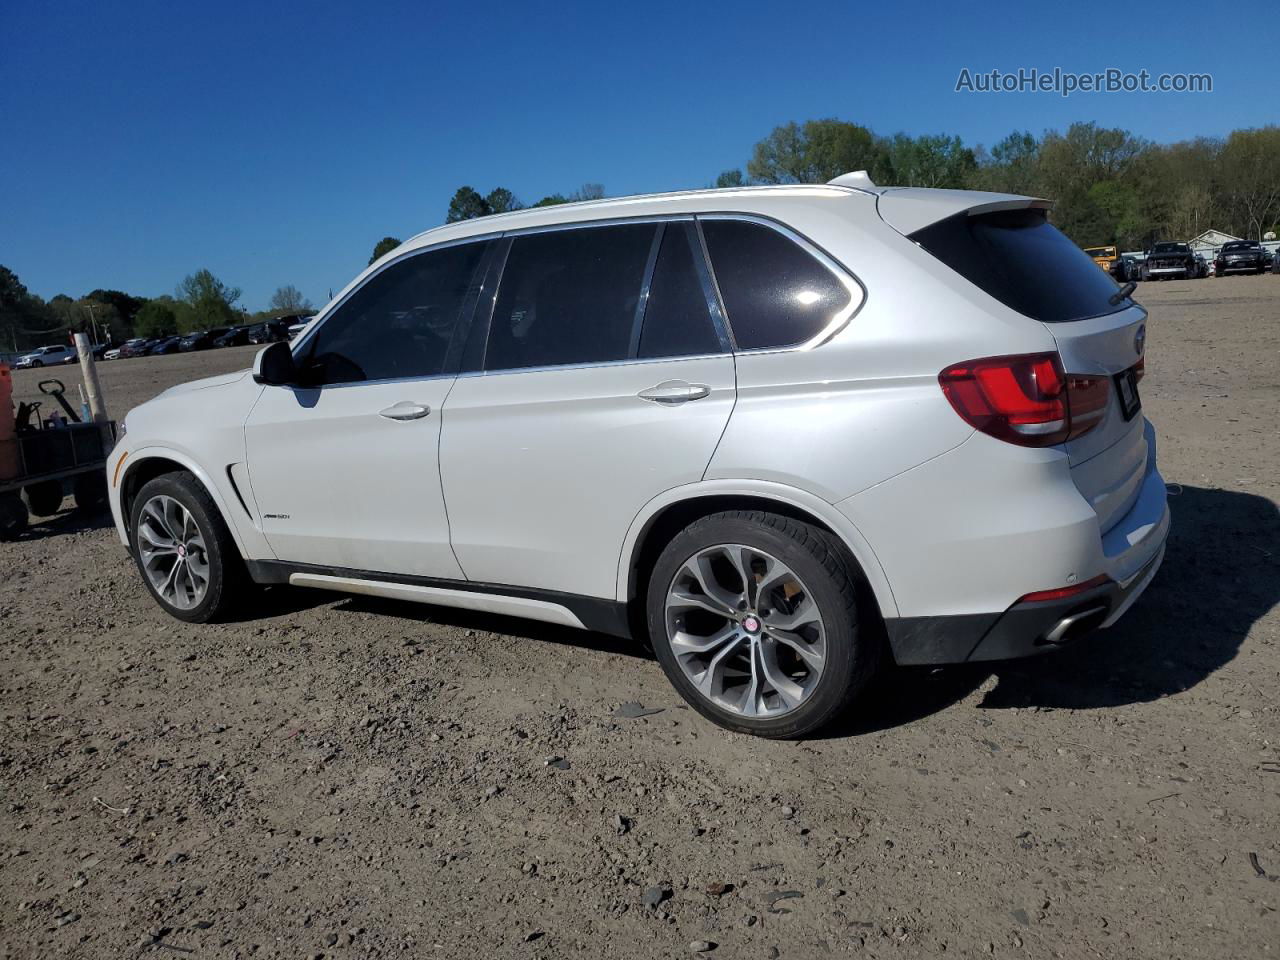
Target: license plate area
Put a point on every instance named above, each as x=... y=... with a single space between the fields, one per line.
x=1127 y=390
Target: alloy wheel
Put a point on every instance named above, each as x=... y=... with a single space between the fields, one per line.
x=173 y=552
x=745 y=631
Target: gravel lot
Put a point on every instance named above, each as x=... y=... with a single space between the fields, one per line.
x=358 y=778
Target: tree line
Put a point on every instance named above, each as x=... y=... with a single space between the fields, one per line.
x=201 y=301
x=1109 y=186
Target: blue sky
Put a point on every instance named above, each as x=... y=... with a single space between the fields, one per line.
x=276 y=143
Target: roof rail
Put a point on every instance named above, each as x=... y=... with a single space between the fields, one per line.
x=856 y=178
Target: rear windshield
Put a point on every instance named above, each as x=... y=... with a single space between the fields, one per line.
x=1170 y=248
x=1240 y=245
x=1023 y=261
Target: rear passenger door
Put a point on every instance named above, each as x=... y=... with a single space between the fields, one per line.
x=600 y=378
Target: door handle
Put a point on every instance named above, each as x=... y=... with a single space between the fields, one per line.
x=405 y=410
x=675 y=391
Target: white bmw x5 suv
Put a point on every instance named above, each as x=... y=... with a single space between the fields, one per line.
x=785 y=432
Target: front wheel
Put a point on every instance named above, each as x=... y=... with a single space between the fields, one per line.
x=13 y=516
x=184 y=551
x=755 y=620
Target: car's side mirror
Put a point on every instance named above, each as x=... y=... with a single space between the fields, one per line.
x=274 y=365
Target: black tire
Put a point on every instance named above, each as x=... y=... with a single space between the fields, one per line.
x=1146 y=274
x=37 y=363
x=13 y=516
x=228 y=580
x=43 y=498
x=90 y=491
x=853 y=654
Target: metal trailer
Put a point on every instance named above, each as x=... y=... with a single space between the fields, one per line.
x=47 y=457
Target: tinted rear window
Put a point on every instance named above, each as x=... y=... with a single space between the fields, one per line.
x=569 y=296
x=1023 y=261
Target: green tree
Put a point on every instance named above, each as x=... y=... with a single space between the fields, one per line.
x=816 y=152
x=929 y=161
x=383 y=247
x=466 y=204
x=156 y=319
x=588 y=191
x=502 y=200
x=209 y=301
x=126 y=305
x=1011 y=166
x=731 y=178
x=25 y=319
x=553 y=200
x=1251 y=178
x=289 y=299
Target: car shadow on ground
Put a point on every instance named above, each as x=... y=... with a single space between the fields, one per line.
x=495 y=623
x=65 y=522
x=1221 y=573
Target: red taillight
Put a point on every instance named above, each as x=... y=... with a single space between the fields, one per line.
x=1025 y=399
x=1139 y=369
x=1061 y=593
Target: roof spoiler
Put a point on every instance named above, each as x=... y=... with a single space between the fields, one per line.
x=908 y=209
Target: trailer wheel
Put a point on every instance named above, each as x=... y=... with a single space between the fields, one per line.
x=44 y=498
x=13 y=516
x=90 y=491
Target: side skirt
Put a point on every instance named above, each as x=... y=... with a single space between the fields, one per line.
x=548 y=606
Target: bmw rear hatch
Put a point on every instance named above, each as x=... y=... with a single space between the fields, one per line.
x=1006 y=246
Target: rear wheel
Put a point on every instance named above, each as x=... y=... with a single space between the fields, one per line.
x=44 y=498
x=754 y=618
x=184 y=551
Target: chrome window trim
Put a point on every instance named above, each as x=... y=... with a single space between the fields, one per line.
x=590 y=364
x=848 y=279
x=857 y=293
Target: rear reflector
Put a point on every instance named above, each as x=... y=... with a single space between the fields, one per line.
x=1026 y=399
x=1061 y=593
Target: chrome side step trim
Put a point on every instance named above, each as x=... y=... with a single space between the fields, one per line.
x=526 y=607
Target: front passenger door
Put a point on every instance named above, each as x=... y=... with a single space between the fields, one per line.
x=344 y=466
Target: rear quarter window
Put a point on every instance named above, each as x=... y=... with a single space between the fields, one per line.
x=775 y=292
x=1025 y=262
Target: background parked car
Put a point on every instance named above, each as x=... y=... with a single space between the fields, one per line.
x=46 y=357
x=1241 y=256
x=137 y=347
x=1125 y=269
x=271 y=331
x=201 y=340
x=164 y=345
x=1169 y=260
x=235 y=337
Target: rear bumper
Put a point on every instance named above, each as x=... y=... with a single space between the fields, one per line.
x=1133 y=551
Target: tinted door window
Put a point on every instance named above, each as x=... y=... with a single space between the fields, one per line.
x=677 y=321
x=775 y=292
x=1023 y=261
x=399 y=324
x=569 y=296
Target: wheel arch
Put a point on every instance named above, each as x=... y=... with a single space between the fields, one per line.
x=147 y=464
x=666 y=515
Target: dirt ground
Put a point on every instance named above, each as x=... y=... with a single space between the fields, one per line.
x=356 y=778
